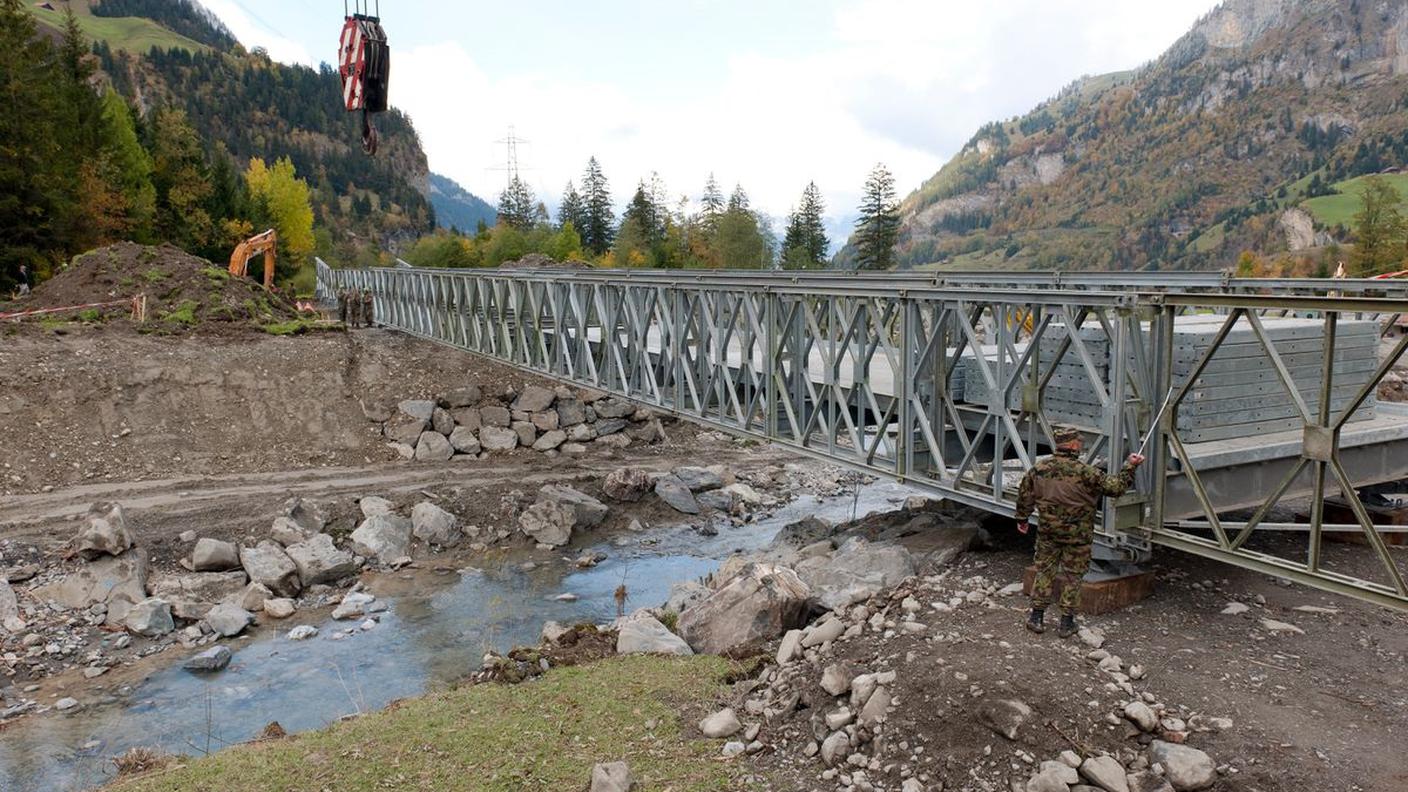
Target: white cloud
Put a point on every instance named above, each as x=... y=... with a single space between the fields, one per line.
x=253 y=32
x=903 y=82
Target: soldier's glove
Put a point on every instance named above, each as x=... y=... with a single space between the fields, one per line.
x=1136 y=459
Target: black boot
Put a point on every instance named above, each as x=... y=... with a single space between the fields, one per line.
x=1067 y=627
x=1036 y=621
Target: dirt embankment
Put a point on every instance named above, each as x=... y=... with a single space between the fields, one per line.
x=97 y=405
x=184 y=293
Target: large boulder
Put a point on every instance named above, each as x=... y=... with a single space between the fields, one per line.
x=404 y=429
x=214 y=555
x=104 y=531
x=549 y=440
x=761 y=603
x=534 y=399
x=548 y=522
x=373 y=505
x=213 y=659
x=570 y=412
x=119 y=582
x=463 y=440
x=526 y=431
x=430 y=523
x=627 y=484
x=150 y=618
x=612 y=777
x=1185 y=767
x=699 y=479
x=676 y=494
x=268 y=564
x=9 y=606
x=192 y=596
x=613 y=408
x=588 y=512
x=287 y=531
x=495 y=415
x=385 y=537
x=442 y=422
x=422 y=409
x=496 y=438
x=463 y=396
x=467 y=418
x=228 y=619
x=319 y=561
x=642 y=633
x=856 y=571
x=309 y=515
x=434 y=447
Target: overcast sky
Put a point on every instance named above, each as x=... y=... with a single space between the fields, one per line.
x=767 y=94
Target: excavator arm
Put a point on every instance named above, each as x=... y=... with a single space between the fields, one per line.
x=266 y=243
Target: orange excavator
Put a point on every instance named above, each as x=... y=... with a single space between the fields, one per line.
x=266 y=243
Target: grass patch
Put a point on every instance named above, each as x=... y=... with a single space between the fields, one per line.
x=539 y=736
x=134 y=34
x=153 y=276
x=183 y=314
x=291 y=327
x=216 y=274
x=90 y=315
x=1340 y=209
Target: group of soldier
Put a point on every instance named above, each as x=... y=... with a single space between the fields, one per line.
x=354 y=308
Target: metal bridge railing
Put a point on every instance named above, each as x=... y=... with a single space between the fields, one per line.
x=861 y=370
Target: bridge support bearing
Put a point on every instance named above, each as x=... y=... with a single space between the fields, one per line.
x=1108 y=586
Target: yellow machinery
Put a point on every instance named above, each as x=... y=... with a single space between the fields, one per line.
x=266 y=243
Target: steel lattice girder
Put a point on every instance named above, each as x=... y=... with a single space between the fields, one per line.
x=859 y=370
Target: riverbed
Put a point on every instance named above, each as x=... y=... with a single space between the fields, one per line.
x=437 y=628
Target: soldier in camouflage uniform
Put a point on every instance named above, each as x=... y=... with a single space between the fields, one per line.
x=1064 y=492
x=366 y=307
x=342 y=298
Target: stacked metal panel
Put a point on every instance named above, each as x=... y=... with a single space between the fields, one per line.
x=1238 y=394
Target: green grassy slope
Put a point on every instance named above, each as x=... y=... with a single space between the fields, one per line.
x=540 y=736
x=132 y=34
x=1333 y=210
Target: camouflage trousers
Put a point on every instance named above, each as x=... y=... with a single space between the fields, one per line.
x=1063 y=562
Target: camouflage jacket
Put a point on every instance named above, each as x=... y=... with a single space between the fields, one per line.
x=1065 y=491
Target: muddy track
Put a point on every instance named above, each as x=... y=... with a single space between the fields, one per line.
x=32 y=515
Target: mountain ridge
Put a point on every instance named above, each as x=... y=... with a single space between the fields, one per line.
x=1185 y=162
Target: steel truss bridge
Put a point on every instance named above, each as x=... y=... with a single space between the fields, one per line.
x=857 y=370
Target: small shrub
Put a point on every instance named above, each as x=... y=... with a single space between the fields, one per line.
x=140 y=759
x=671 y=620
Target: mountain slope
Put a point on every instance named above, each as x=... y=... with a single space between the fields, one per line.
x=456 y=207
x=251 y=106
x=107 y=21
x=1206 y=152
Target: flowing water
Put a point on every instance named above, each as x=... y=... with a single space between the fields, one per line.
x=436 y=631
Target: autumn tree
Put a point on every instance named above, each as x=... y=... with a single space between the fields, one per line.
x=1379 y=229
x=281 y=198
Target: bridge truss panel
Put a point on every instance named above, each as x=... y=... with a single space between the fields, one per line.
x=867 y=372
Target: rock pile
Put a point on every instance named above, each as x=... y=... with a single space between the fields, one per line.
x=467 y=423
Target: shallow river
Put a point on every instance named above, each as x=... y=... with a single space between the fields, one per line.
x=434 y=633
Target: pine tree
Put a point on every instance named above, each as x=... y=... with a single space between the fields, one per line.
x=711 y=206
x=570 y=212
x=805 y=243
x=182 y=184
x=598 y=218
x=517 y=204
x=877 y=229
x=132 y=167
x=738 y=201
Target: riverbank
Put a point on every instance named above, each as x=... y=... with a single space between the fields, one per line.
x=496 y=738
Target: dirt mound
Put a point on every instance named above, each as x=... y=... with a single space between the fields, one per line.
x=540 y=261
x=184 y=292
